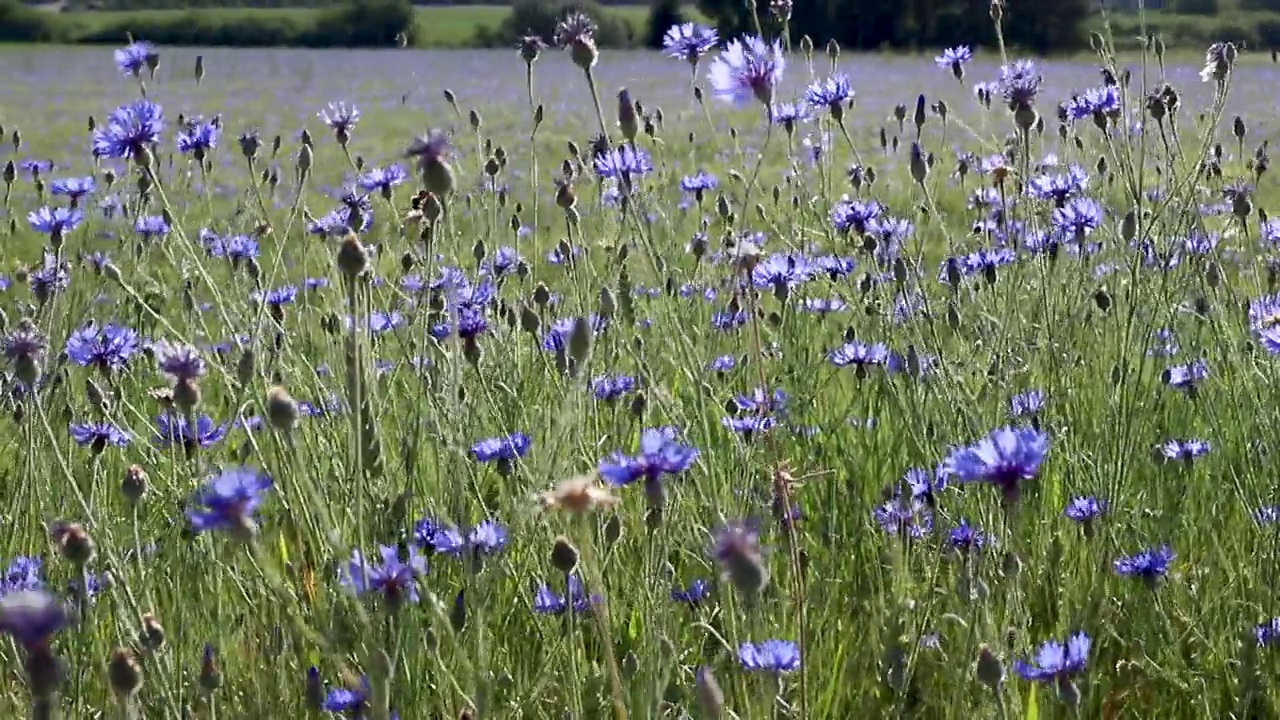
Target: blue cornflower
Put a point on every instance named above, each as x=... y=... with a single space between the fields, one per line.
x=612 y=387
x=1096 y=103
x=182 y=363
x=506 y=260
x=699 y=183
x=198 y=139
x=833 y=93
x=106 y=347
x=99 y=436
x=729 y=320
x=775 y=656
x=1006 y=458
x=748 y=69
x=23 y=575
x=1187 y=377
x=782 y=270
x=487 y=538
x=1027 y=404
x=967 y=538
x=349 y=701
x=904 y=517
x=1020 y=83
x=151 y=227
x=395 y=580
x=230 y=501
x=790 y=114
x=51 y=277
x=234 y=248
x=129 y=132
x=924 y=485
x=174 y=430
x=824 y=306
x=557 y=336
x=697 y=591
x=660 y=454
x=36 y=167
x=439 y=538
x=1268 y=633
x=1055 y=663
x=132 y=58
x=1150 y=565
x=1185 y=450
x=723 y=363
x=55 y=222
x=382 y=179
x=749 y=425
x=32 y=617
x=1078 y=218
x=689 y=41
x=501 y=449
x=890 y=233
x=624 y=164
x=547 y=602
x=1085 y=510
x=835 y=267
x=860 y=356
x=1061 y=187
x=73 y=188
x=341 y=118
x=286 y=295
x=954 y=59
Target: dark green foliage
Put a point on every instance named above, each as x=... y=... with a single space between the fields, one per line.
x=363 y=23
x=1196 y=7
x=1271 y=5
x=540 y=17
x=871 y=24
x=19 y=23
x=662 y=15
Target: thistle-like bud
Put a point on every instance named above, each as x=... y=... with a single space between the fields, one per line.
x=564 y=556
x=249 y=145
x=282 y=410
x=124 y=675
x=628 y=122
x=152 y=635
x=474 y=118
x=134 y=484
x=199 y=69
x=210 y=671
x=710 y=696
x=990 y=671
x=353 y=258
x=74 y=543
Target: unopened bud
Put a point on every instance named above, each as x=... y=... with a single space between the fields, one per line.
x=124 y=674
x=564 y=556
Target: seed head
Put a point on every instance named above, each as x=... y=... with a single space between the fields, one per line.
x=124 y=674
x=564 y=556
x=282 y=410
x=74 y=543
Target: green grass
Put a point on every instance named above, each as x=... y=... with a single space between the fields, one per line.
x=406 y=408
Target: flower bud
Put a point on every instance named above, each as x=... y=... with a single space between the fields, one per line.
x=124 y=675
x=990 y=671
x=282 y=410
x=564 y=556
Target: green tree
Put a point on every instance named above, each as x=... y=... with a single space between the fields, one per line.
x=662 y=15
x=1196 y=7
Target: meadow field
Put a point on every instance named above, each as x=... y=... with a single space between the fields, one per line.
x=900 y=398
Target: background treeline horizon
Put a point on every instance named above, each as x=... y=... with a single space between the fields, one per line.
x=1031 y=25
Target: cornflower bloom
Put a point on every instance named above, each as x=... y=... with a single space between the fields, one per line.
x=1057 y=664
x=198 y=139
x=106 y=347
x=342 y=119
x=547 y=602
x=55 y=222
x=1006 y=458
x=954 y=59
x=132 y=58
x=748 y=69
x=689 y=42
x=832 y=94
x=129 y=132
x=151 y=227
x=1150 y=565
x=98 y=436
x=773 y=656
x=230 y=502
x=73 y=188
x=396 y=581
x=382 y=180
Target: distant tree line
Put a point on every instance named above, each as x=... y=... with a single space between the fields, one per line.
x=354 y=23
x=1040 y=25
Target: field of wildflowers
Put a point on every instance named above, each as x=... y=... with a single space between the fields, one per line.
x=778 y=384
